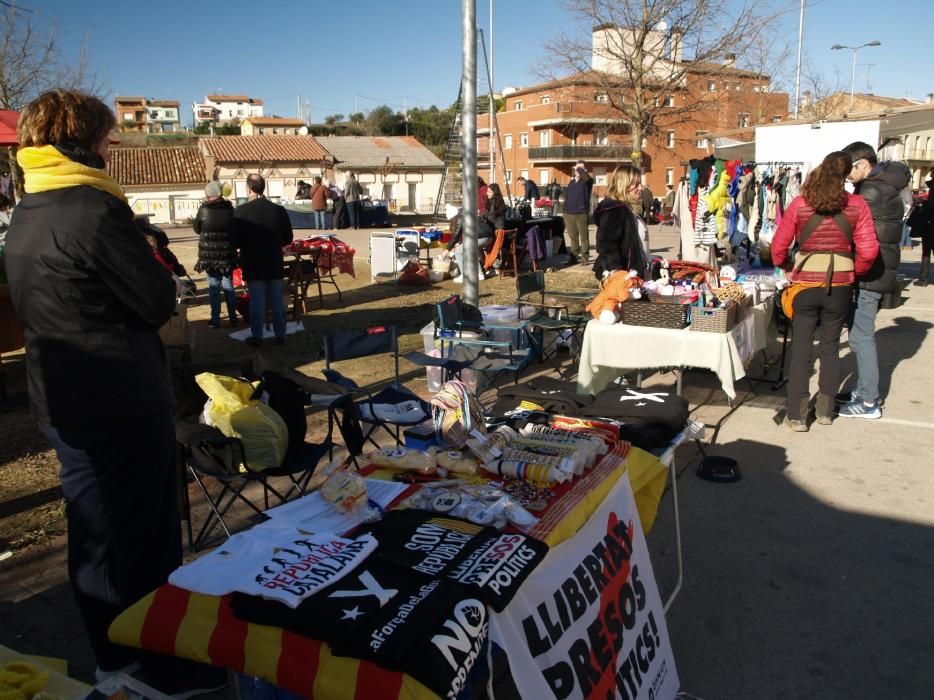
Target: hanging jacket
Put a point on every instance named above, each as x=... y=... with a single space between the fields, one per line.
x=213 y=224
x=882 y=192
x=850 y=259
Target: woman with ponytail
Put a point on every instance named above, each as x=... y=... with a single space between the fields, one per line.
x=836 y=243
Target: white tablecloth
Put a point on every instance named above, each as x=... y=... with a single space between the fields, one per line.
x=609 y=350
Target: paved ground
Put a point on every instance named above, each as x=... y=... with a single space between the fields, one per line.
x=810 y=578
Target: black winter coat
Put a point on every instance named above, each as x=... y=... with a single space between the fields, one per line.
x=90 y=297
x=881 y=190
x=214 y=226
x=261 y=229
x=618 y=244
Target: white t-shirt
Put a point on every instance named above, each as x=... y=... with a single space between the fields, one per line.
x=274 y=561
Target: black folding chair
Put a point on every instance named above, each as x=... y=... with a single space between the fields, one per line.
x=391 y=408
x=555 y=317
x=210 y=455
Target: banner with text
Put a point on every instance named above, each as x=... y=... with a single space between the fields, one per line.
x=590 y=623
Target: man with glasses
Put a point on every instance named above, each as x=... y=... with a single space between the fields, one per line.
x=881 y=185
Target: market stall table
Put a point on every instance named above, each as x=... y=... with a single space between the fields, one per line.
x=301 y=215
x=313 y=261
x=592 y=510
x=610 y=350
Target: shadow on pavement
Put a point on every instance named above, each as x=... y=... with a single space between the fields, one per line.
x=786 y=595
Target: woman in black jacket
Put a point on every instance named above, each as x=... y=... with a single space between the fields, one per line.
x=496 y=207
x=217 y=255
x=620 y=233
x=90 y=297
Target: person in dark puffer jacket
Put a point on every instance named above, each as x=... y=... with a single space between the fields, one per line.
x=217 y=256
x=881 y=185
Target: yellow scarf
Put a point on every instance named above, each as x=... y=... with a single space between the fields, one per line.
x=47 y=169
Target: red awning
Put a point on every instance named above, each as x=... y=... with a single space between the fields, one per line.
x=8 y=120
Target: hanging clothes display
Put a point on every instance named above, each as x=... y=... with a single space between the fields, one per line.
x=684 y=219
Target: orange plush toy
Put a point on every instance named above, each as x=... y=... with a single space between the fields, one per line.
x=619 y=286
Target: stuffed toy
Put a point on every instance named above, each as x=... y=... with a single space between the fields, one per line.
x=619 y=286
x=717 y=201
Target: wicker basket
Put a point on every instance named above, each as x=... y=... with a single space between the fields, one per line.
x=657 y=312
x=714 y=320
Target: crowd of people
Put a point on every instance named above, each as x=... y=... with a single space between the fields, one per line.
x=91 y=293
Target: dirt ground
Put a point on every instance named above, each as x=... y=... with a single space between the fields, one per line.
x=31 y=505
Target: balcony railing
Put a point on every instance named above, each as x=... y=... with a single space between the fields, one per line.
x=919 y=154
x=574 y=153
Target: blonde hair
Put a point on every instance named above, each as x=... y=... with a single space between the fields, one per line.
x=65 y=117
x=622 y=182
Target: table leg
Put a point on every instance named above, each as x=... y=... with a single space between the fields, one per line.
x=674 y=496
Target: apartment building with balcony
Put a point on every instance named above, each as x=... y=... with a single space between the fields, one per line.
x=545 y=129
x=226 y=109
x=146 y=115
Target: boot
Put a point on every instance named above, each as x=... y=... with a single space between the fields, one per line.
x=922 y=280
x=799 y=425
x=825 y=409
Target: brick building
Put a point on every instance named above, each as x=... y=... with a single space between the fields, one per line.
x=546 y=128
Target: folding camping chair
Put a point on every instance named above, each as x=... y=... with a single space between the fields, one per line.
x=554 y=318
x=209 y=454
x=483 y=354
x=393 y=407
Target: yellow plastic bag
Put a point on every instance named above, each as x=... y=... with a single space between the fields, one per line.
x=232 y=411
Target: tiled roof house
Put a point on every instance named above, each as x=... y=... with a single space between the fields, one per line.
x=398 y=169
x=166 y=184
x=281 y=160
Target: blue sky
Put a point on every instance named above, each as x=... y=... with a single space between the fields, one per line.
x=342 y=56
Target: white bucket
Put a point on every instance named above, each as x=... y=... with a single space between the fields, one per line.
x=436 y=275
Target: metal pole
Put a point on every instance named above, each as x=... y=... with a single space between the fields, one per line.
x=853 y=79
x=798 y=71
x=492 y=106
x=469 y=152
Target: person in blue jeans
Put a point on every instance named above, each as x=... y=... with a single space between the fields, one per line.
x=217 y=256
x=881 y=185
x=261 y=230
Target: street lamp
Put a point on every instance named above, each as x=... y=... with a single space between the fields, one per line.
x=854 y=49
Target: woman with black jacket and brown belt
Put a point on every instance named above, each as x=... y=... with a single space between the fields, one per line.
x=217 y=255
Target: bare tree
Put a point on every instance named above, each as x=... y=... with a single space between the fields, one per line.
x=825 y=95
x=31 y=62
x=639 y=46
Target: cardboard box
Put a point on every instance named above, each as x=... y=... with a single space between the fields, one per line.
x=177 y=332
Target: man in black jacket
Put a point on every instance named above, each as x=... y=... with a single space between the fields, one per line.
x=262 y=229
x=881 y=185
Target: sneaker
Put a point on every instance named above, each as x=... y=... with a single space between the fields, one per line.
x=798 y=426
x=825 y=420
x=860 y=409
x=572 y=259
